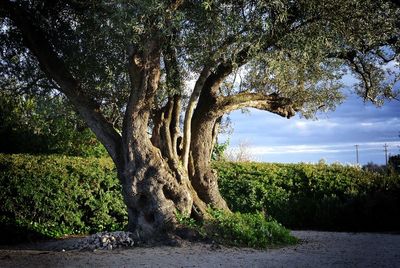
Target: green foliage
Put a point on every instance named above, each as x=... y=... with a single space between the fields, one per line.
x=321 y=196
x=240 y=229
x=57 y=195
x=219 y=150
x=298 y=49
x=251 y=230
x=186 y=220
x=43 y=124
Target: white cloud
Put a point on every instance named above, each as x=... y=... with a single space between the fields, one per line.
x=306 y=127
x=311 y=149
x=300 y=125
x=333 y=136
x=367 y=124
x=303 y=124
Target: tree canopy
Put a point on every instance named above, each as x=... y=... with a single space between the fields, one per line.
x=299 y=49
x=152 y=79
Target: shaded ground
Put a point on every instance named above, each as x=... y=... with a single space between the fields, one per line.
x=318 y=249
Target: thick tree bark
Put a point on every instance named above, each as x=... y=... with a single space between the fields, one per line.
x=187 y=124
x=202 y=176
x=272 y=103
x=154 y=189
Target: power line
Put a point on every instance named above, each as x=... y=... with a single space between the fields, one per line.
x=386 y=152
x=357 y=153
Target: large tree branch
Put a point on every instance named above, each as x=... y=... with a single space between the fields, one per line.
x=189 y=113
x=214 y=80
x=55 y=68
x=134 y=71
x=144 y=73
x=273 y=103
x=212 y=83
x=174 y=86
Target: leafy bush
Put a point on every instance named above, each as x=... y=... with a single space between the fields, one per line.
x=240 y=229
x=332 y=197
x=251 y=230
x=57 y=195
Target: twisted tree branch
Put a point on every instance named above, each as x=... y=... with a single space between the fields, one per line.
x=272 y=103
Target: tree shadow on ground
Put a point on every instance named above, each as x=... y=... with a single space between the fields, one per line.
x=13 y=234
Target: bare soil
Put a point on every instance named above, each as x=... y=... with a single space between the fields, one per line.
x=317 y=249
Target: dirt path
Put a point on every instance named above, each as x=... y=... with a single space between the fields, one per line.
x=319 y=249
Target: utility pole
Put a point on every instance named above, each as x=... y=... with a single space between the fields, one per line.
x=386 y=153
x=357 y=153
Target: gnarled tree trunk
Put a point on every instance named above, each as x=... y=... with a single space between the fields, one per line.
x=153 y=190
x=158 y=179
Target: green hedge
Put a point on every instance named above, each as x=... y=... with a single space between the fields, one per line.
x=56 y=195
x=331 y=197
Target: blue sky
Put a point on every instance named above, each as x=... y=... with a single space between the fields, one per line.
x=332 y=137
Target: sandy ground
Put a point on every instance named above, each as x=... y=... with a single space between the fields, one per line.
x=318 y=249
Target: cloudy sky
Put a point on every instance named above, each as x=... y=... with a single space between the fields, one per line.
x=270 y=138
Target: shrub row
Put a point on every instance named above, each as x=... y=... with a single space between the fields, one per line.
x=305 y=196
x=56 y=195
x=51 y=196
